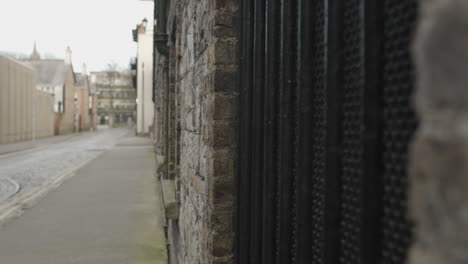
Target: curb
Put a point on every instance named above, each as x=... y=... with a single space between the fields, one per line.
x=17 y=206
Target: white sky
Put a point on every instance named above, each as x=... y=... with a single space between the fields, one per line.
x=98 y=31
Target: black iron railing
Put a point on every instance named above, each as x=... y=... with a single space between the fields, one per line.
x=326 y=122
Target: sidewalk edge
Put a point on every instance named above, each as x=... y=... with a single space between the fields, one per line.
x=17 y=206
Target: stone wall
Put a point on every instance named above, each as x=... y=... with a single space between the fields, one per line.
x=17 y=85
x=439 y=181
x=196 y=126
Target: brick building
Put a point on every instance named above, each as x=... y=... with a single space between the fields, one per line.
x=56 y=77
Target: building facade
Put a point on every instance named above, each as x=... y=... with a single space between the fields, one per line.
x=44 y=115
x=83 y=103
x=116 y=98
x=56 y=77
x=143 y=36
x=93 y=104
x=284 y=130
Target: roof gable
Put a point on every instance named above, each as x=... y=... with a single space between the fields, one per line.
x=50 y=72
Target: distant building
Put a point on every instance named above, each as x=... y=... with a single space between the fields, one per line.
x=56 y=77
x=82 y=101
x=93 y=117
x=144 y=74
x=116 y=97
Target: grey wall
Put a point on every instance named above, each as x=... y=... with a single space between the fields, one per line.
x=44 y=114
x=25 y=113
x=17 y=85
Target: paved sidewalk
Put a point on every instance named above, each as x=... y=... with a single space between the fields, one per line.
x=108 y=213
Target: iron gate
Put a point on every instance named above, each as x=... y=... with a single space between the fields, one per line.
x=324 y=132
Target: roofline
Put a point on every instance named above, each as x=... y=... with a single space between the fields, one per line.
x=17 y=62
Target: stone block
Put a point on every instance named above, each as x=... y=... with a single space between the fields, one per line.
x=222 y=221
x=223 y=260
x=224 y=133
x=226 y=51
x=223 y=243
x=225 y=25
x=226 y=81
x=226 y=5
x=171 y=206
x=225 y=106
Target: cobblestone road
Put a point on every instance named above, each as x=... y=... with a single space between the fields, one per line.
x=23 y=171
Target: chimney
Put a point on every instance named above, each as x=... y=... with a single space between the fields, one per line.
x=142 y=27
x=68 y=56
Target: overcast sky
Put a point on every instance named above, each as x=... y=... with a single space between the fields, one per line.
x=97 y=31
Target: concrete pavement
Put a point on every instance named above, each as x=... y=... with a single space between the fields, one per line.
x=108 y=213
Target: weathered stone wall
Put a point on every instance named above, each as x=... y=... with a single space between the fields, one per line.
x=196 y=126
x=17 y=85
x=439 y=168
x=160 y=129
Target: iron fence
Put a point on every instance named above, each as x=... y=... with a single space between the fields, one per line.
x=325 y=125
